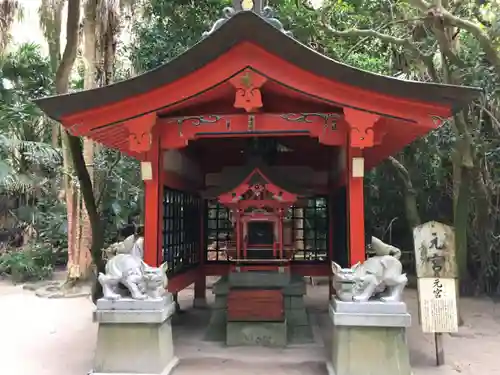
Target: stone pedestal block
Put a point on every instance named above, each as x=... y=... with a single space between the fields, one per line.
x=271 y=334
x=297 y=326
x=369 y=338
x=134 y=341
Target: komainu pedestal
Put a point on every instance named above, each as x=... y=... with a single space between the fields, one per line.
x=369 y=338
x=369 y=318
x=134 y=336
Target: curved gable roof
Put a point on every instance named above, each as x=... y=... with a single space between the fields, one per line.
x=247 y=26
x=251 y=173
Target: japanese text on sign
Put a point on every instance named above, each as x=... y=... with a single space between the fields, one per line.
x=435 y=250
x=437 y=289
x=438 y=307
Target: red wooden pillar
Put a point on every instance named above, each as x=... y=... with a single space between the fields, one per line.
x=361 y=135
x=200 y=284
x=151 y=169
x=356 y=212
x=331 y=223
x=280 y=233
x=238 y=233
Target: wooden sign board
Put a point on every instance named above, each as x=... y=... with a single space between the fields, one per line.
x=146 y=171
x=438 y=305
x=435 y=250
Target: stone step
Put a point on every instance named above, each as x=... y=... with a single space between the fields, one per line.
x=219 y=366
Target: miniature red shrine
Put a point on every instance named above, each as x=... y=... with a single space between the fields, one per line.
x=258 y=207
x=248 y=88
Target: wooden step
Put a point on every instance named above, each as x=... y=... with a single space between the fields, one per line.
x=255 y=305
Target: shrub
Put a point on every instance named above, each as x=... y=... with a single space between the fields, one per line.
x=34 y=261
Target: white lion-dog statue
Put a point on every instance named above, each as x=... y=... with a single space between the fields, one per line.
x=128 y=269
x=381 y=275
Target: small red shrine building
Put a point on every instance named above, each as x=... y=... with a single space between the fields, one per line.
x=247 y=89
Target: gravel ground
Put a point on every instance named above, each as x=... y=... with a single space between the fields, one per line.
x=57 y=337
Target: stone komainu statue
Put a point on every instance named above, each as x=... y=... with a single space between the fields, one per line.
x=381 y=276
x=128 y=269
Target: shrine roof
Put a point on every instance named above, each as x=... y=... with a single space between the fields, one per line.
x=247 y=26
x=253 y=173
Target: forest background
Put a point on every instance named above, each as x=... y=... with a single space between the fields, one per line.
x=69 y=196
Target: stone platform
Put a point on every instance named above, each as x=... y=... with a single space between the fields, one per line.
x=134 y=337
x=369 y=338
x=295 y=328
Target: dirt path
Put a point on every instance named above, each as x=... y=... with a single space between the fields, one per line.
x=56 y=337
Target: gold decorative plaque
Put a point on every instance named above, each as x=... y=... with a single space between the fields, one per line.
x=247 y=4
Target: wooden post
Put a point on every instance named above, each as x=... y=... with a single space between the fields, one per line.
x=238 y=234
x=280 y=238
x=200 y=285
x=152 y=206
x=355 y=196
x=437 y=272
x=200 y=289
x=362 y=126
x=438 y=341
x=331 y=223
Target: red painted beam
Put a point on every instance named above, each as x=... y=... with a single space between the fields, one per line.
x=303 y=269
x=178 y=131
x=234 y=61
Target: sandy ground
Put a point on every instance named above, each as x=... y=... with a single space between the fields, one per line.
x=57 y=337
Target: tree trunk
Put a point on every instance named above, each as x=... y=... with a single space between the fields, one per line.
x=86 y=188
x=89 y=56
x=53 y=25
x=411 y=207
x=62 y=86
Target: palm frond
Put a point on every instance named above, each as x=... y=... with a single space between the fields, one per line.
x=25 y=184
x=16 y=184
x=5 y=170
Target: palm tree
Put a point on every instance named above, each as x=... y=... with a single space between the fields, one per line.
x=50 y=13
x=29 y=164
x=9 y=11
x=100 y=27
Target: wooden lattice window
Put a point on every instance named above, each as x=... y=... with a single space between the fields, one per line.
x=309 y=230
x=219 y=232
x=181 y=230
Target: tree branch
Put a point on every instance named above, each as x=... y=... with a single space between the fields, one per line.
x=403 y=42
x=364 y=39
x=482 y=37
x=492 y=117
x=410 y=194
x=305 y=4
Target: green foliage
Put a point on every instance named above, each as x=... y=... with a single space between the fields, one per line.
x=402 y=43
x=28 y=161
x=168 y=27
x=122 y=195
x=33 y=262
x=31 y=170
